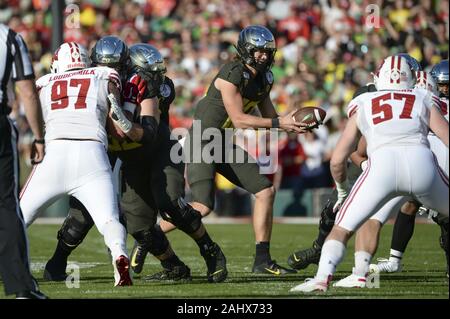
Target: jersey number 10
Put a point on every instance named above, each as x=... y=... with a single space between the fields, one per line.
x=383 y=111
x=59 y=93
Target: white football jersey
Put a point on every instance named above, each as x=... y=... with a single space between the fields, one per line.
x=388 y=118
x=74 y=103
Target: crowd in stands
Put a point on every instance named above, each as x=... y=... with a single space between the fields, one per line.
x=326 y=50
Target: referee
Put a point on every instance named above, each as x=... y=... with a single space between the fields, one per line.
x=14 y=266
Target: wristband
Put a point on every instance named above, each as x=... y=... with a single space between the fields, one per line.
x=39 y=141
x=276 y=122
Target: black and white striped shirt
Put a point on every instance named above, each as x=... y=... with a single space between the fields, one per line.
x=15 y=62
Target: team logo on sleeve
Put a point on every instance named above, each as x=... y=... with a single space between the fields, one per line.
x=164 y=90
x=269 y=77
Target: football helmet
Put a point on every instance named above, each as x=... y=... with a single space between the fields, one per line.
x=394 y=74
x=413 y=63
x=426 y=81
x=439 y=72
x=252 y=38
x=148 y=63
x=69 y=56
x=112 y=52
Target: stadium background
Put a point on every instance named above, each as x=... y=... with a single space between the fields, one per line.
x=326 y=50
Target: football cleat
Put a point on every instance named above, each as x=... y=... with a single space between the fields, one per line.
x=311 y=285
x=55 y=271
x=303 y=258
x=352 y=281
x=138 y=255
x=272 y=268
x=31 y=294
x=385 y=265
x=177 y=273
x=216 y=264
x=122 y=272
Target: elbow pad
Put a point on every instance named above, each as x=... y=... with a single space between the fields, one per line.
x=150 y=126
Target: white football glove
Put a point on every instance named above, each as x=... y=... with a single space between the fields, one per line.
x=118 y=116
x=363 y=165
x=343 y=191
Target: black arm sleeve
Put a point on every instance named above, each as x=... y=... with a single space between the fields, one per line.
x=150 y=126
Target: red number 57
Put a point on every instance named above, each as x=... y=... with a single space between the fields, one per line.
x=383 y=111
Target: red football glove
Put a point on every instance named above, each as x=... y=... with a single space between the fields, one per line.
x=134 y=90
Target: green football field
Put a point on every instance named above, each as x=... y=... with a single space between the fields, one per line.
x=423 y=275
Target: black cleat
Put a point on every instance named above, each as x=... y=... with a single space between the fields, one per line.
x=303 y=258
x=55 y=271
x=216 y=264
x=30 y=294
x=177 y=273
x=138 y=255
x=272 y=268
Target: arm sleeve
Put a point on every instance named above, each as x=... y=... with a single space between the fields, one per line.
x=22 y=67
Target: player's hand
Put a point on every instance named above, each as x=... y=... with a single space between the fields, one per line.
x=343 y=191
x=134 y=90
x=118 y=116
x=37 y=151
x=288 y=124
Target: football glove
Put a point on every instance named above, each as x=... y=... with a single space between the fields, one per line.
x=118 y=116
x=342 y=190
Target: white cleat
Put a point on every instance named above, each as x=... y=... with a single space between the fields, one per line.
x=385 y=265
x=311 y=285
x=352 y=281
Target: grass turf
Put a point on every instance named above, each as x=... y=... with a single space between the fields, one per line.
x=423 y=275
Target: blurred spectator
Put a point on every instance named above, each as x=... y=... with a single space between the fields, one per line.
x=291 y=159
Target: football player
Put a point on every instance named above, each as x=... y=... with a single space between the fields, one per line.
x=75 y=107
x=404 y=224
x=396 y=133
x=238 y=88
x=303 y=258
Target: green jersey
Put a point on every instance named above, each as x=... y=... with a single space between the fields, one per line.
x=211 y=110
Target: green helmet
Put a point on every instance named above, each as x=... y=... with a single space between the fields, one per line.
x=252 y=38
x=112 y=52
x=148 y=63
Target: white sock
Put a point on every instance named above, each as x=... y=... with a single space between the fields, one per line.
x=395 y=256
x=115 y=236
x=332 y=253
x=362 y=262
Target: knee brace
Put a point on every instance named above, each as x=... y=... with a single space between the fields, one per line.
x=73 y=231
x=153 y=240
x=184 y=216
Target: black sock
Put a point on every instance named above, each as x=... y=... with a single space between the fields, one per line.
x=262 y=252
x=403 y=231
x=326 y=222
x=171 y=262
x=62 y=251
x=204 y=242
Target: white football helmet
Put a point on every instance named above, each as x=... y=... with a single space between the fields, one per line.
x=69 y=56
x=394 y=74
x=426 y=81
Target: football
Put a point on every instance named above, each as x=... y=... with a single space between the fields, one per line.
x=313 y=116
